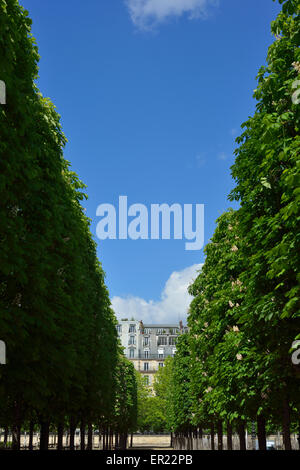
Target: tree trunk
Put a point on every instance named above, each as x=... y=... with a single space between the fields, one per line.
x=16 y=434
x=242 y=437
x=261 y=433
x=229 y=436
x=31 y=429
x=107 y=438
x=72 y=433
x=60 y=434
x=16 y=428
x=200 y=437
x=220 y=435
x=131 y=439
x=123 y=441
x=100 y=434
x=5 y=436
x=90 y=437
x=212 y=436
x=44 y=435
x=103 y=439
x=286 y=425
x=82 y=435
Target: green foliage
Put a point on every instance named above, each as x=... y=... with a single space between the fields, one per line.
x=151 y=415
x=125 y=409
x=235 y=363
x=55 y=314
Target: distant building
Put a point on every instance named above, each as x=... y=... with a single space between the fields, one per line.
x=147 y=346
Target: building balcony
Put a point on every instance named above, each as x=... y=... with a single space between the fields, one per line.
x=149 y=357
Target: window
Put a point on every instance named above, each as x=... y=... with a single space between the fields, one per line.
x=174 y=331
x=147 y=331
x=159 y=331
x=119 y=329
x=131 y=353
x=132 y=329
x=146 y=365
x=161 y=353
x=146 y=354
x=131 y=340
x=160 y=364
x=146 y=378
x=162 y=341
x=172 y=341
x=146 y=341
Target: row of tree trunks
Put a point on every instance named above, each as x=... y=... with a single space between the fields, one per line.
x=121 y=438
x=261 y=432
x=110 y=439
x=188 y=437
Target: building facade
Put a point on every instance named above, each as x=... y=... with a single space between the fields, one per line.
x=147 y=346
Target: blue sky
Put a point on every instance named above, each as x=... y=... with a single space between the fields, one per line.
x=152 y=95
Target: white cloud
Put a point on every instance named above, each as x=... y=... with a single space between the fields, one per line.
x=172 y=306
x=145 y=14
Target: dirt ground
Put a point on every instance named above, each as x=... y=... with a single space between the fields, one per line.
x=151 y=442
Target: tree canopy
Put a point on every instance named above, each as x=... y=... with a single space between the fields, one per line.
x=245 y=313
x=63 y=360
